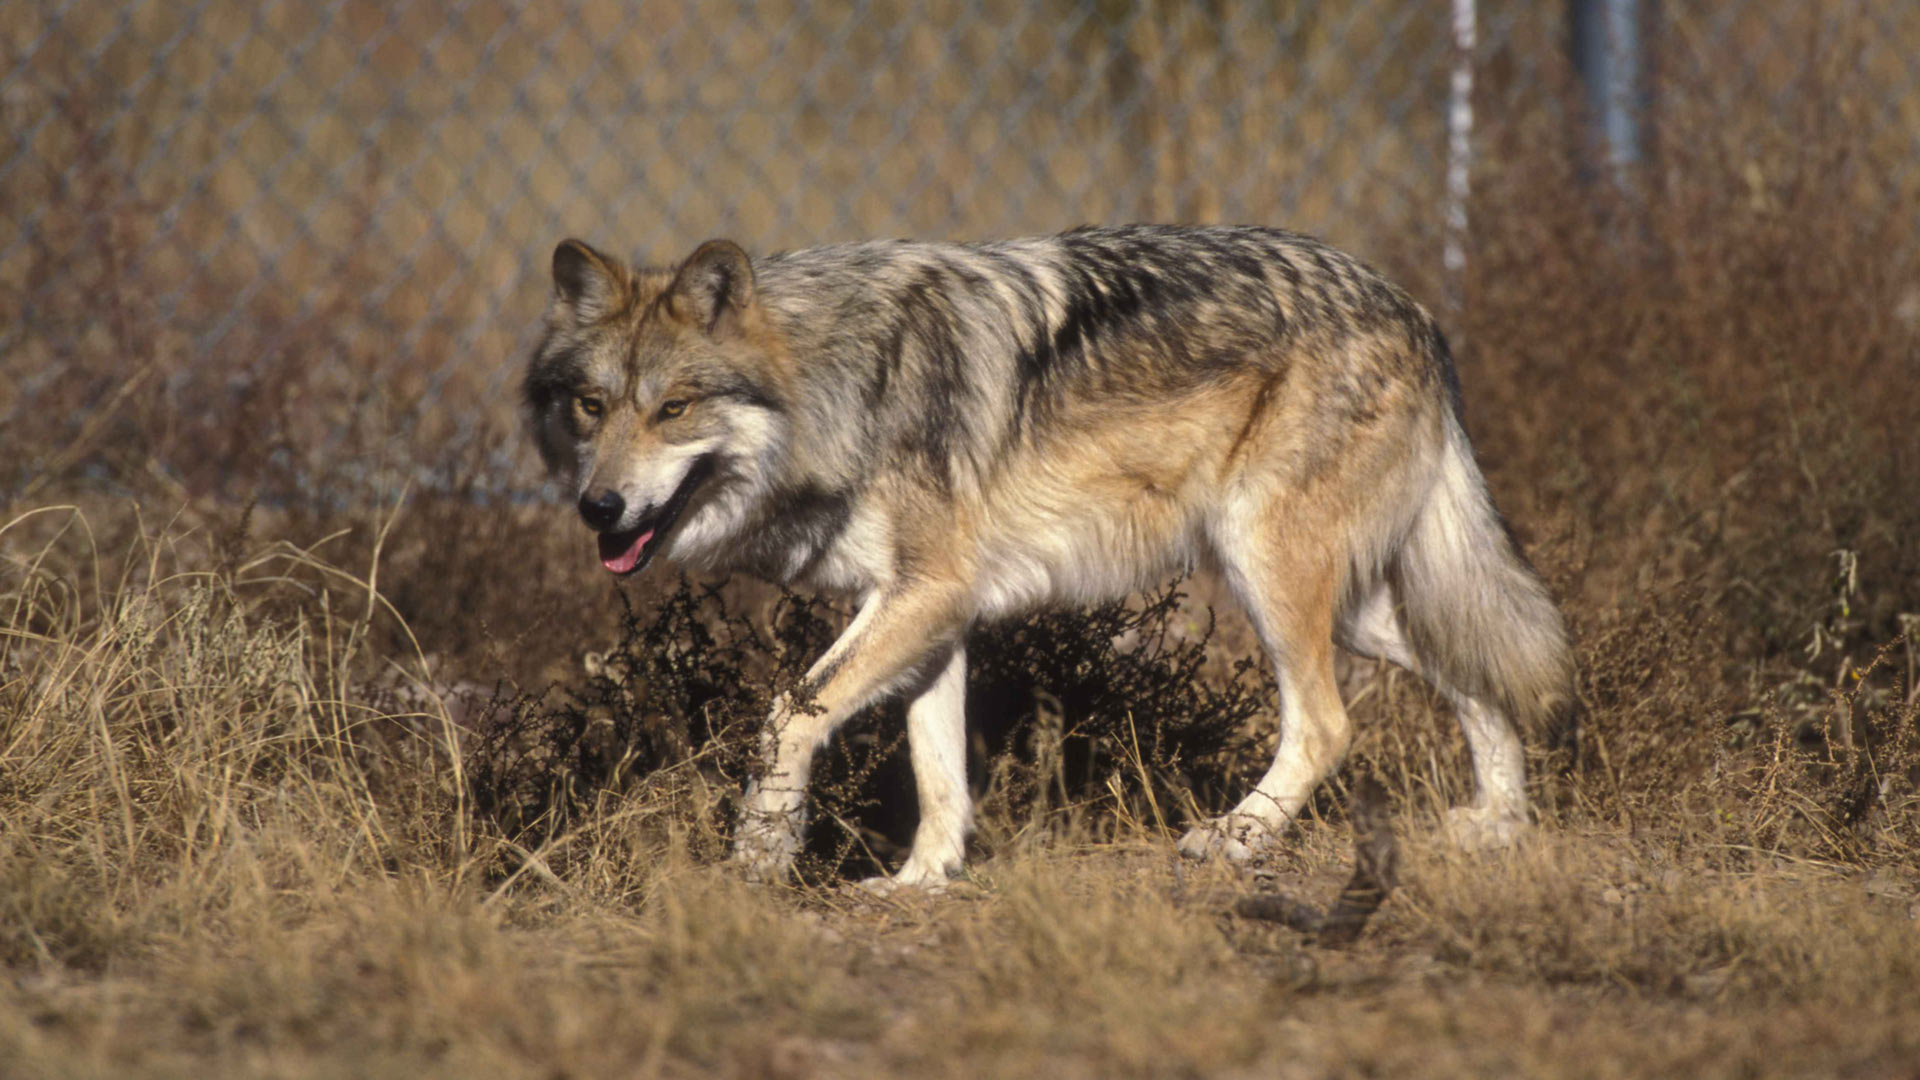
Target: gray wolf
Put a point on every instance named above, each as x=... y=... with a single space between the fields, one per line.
x=952 y=434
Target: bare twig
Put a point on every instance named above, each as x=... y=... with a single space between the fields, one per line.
x=1375 y=872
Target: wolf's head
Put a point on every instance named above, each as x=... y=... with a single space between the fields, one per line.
x=659 y=395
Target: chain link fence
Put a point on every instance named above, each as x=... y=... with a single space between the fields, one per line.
x=372 y=188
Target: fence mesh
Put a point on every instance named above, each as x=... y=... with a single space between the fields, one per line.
x=387 y=179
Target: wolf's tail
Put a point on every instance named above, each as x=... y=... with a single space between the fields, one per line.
x=1475 y=610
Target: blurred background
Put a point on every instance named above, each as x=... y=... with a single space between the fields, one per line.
x=363 y=190
x=268 y=271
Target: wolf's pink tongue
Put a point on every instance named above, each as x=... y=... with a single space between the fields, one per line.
x=622 y=560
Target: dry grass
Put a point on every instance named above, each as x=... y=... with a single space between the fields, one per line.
x=308 y=779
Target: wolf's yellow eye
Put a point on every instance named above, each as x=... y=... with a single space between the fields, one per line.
x=673 y=408
x=591 y=406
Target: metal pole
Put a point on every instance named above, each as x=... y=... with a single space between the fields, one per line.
x=1606 y=47
x=1453 y=257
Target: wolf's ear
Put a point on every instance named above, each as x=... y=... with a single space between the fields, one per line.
x=587 y=286
x=713 y=289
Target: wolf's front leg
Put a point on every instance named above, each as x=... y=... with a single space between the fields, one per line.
x=767 y=837
x=896 y=636
x=937 y=741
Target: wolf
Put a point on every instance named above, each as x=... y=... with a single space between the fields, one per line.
x=952 y=434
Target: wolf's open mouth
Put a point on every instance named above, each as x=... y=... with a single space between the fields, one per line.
x=630 y=550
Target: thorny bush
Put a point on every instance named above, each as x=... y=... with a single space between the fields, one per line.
x=1069 y=710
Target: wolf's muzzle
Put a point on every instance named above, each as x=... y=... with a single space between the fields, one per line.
x=631 y=550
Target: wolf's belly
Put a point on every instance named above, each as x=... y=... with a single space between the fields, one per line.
x=1081 y=555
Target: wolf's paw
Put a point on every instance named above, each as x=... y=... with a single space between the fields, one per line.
x=765 y=846
x=930 y=875
x=923 y=877
x=889 y=887
x=1481 y=828
x=761 y=866
x=1235 y=838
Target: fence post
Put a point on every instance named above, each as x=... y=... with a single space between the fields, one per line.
x=1605 y=41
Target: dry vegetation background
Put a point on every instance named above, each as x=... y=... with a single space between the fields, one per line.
x=326 y=751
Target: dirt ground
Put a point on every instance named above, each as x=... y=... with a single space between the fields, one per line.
x=1574 y=957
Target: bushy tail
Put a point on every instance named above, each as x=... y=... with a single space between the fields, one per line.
x=1476 y=611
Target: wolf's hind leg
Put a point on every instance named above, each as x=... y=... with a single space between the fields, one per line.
x=1289 y=588
x=1498 y=813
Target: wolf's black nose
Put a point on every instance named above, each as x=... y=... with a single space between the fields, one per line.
x=602 y=509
